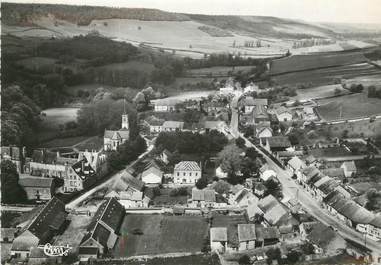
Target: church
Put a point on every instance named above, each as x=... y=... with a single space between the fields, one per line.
x=112 y=139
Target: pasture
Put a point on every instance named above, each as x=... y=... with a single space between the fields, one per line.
x=218 y=70
x=37 y=63
x=64 y=142
x=348 y=106
x=160 y=234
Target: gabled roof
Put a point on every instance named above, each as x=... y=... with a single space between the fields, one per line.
x=203 y=195
x=278 y=141
x=246 y=232
x=173 y=124
x=106 y=221
x=266 y=232
x=350 y=165
x=166 y=102
x=282 y=110
x=250 y=101
x=267 y=203
x=310 y=171
x=116 y=135
x=154 y=121
x=187 y=166
x=83 y=169
x=296 y=163
x=39 y=182
x=275 y=214
x=127 y=180
x=328 y=186
x=310 y=159
x=333 y=172
x=214 y=124
x=52 y=216
x=152 y=170
x=218 y=234
x=44 y=156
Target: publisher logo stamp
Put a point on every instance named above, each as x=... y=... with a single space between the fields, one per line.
x=55 y=251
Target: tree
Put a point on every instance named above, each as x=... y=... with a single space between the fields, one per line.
x=308 y=248
x=244 y=260
x=273 y=254
x=293 y=256
x=201 y=183
x=240 y=142
x=274 y=188
x=11 y=191
x=230 y=159
x=222 y=187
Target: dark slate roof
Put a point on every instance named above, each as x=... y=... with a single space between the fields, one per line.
x=279 y=141
x=267 y=232
x=36 y=182
x=120 y=134
x=88 y=251
x=83 y=169
x=52 y=216
x=44 y=156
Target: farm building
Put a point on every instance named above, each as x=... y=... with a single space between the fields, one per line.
x=172 y=126
x=38 y=188
x=48 y=221
x=203 y=198
x=218 y=238
x=275 y=143
x=166 y=105
x=246 y=236
x=296 y=164
x=102 y=233
x=152 y=176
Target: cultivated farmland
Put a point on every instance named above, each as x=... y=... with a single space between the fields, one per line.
x=307 y=62
x=327 y=76
x=160 y=234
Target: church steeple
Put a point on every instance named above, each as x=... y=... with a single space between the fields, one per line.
x=124 y=116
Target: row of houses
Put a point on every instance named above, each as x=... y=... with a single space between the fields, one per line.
x=335 y=198
x=44 y=171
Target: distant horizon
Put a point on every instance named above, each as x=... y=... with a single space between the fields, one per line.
x=365 y=12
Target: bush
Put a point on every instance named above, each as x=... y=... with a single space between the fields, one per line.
x=244 y=260
x=201 y=183
x=183 y=191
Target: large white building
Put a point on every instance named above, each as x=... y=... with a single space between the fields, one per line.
x=186 y=172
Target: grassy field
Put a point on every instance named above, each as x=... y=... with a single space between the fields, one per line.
x=319 y=92
x=306 y=62
x=331 y=108
x=327 y=76
x=37 y=63
x=218 y=70
x=52 y=119
x=329 y=152
x=161 y=234
x=93 y=143
x=8 y=219
x=165 y=199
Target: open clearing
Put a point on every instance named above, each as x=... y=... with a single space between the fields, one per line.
x=161 y=234
x=349 y=106
x=57 y=116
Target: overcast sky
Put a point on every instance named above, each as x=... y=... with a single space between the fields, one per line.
x=350 y=11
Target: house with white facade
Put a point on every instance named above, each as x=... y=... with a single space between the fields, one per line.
x=152 y=176
x=283 y=114
x=186 y=172
x=349 y=168
x=172 y=126
x=166 y=104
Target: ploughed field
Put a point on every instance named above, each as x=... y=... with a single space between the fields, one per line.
x=154 y=234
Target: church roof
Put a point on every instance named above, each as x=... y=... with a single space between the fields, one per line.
x=116 y=135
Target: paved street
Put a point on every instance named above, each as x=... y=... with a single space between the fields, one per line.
x=73 y=204
x=293 y=190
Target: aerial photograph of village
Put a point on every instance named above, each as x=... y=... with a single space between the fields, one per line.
x=147 y=132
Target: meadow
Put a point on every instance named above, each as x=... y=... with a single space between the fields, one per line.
x=160 y=234
x=343 y=107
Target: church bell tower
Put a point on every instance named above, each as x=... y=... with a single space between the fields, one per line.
x=125 y=118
